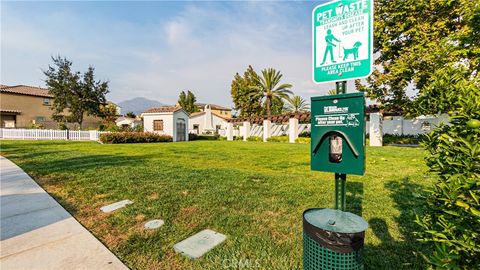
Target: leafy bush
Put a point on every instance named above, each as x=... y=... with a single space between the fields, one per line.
x=302 y=140
x=139 y=128
x=278 y=139
x=401 y=139
x=109 y=127
x=192 y=137
x=195 y=137
x=62 y=126
x=452 y=220
x=305 y=134
x=133 y=137
x=255 y=139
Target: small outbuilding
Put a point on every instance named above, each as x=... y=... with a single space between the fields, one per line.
x=125 y=122
x=168 y=120
x=206 y=122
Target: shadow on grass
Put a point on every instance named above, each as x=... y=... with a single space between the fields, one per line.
x=402 y=253
x=52 y=170
x=354 y=198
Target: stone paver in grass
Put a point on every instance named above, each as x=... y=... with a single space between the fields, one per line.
x=114 y=206
x=197 y=245
x=154 y=224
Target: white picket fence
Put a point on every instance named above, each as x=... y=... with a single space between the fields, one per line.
x=50 y=134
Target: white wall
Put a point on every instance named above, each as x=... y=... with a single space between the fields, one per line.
x=200 y=121
x=400 y=126
x=167 y=123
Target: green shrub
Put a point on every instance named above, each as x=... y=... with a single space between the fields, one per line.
x=255 y=139
x=452 y=220
x=139 y=128
x=278 y=139
x=305 y=134
x=195 y=137
x=401 y=139
x=133 y=137
x=302 y=140
x=192 y=137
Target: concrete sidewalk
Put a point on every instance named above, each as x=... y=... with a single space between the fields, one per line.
x=37 y=233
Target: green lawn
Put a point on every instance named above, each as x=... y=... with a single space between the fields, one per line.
x=252 y=192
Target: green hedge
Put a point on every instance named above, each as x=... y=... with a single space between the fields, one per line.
x=303 y=140
x=195 y=137
x=255 y=139
x=278 y=139
x=133 y=137
x=401 y=139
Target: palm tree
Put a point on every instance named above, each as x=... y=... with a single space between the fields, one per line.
x=332 y=92
x=297 y=104
x=269 y=89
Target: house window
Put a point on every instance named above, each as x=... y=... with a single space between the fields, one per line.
x=196 y=126
x=46 y=101
x=158 y=125
x=39 y=119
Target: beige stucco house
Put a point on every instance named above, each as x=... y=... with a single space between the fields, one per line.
x=221 y=111
x=24 y=106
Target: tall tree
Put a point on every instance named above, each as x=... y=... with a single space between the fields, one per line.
x=75 y=95
x=413 y=39
x=130 y=115
x=269 y=87
x=245 y=94
x=297 y=104
x=332 y=92
x=187 y=101
x=109 y=113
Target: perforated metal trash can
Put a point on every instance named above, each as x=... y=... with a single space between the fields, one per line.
x=332 y=239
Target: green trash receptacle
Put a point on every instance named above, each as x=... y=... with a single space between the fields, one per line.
x=332 y=239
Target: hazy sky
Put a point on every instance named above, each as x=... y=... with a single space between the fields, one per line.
x=157 y=49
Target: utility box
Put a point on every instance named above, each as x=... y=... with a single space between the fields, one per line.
x=338 y=133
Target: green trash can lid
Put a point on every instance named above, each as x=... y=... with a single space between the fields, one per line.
x=335 y=220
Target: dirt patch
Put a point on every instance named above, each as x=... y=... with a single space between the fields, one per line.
x=153 y=196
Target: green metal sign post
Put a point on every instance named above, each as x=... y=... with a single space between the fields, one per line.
x=342 y=35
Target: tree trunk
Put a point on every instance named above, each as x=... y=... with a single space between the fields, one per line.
x=268 y=105
x=80 y=121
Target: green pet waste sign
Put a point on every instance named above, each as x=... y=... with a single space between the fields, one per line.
x=338 y=133
x=342 y=40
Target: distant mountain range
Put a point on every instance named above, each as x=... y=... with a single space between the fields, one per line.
x=138 y=105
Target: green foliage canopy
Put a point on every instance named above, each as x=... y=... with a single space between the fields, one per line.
x=452 y=220
x=257 y=95
x=270 y=88
x=75 y=95
x=245 y=95
x=297 y=104
x=187 y=101
x=413 y=39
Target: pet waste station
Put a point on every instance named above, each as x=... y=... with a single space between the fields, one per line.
x=342 y=50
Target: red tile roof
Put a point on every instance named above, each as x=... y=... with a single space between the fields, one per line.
x=10 y=111
x=163 y=109
x=25 y=90
x=196 y=114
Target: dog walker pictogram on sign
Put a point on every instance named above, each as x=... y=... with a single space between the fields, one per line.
x=342 y=40
x=338 y=133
